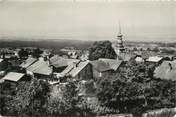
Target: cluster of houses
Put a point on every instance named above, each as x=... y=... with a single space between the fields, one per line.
x=57 y=68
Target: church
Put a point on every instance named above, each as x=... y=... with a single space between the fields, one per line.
x=119 y=47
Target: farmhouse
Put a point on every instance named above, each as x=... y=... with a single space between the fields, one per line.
x=60 y=63
x=81 y=70
x=41 y=69
x=103 y=67
x=155 y=59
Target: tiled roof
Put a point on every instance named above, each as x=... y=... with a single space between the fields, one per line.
x=58 y=61
x=78 y=68
x=40 y=67
x=28 y=62
x=112 y=63
x=74 y=68
x=13 y=76
x=100 y=65
x=106 y=64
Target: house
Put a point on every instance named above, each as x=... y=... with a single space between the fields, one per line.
x=156 y=59
x=60 y=63
x=28 y=62
x=80 y=70
x=8 y=53
x=167 y=70
x=139 y=59
x=13 y=77
x=103 y=67
x=72 y=52
x=40 y=68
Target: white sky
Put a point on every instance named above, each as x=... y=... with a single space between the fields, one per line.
x=153 y=21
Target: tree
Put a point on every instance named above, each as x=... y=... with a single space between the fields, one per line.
x=36 y=53
x=63 y=99
x=23 y=53
x=30 y=99
x=101 y=49
x=156 y=49
x=119 y=95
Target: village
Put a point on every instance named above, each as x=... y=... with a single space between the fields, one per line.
x=84 y=66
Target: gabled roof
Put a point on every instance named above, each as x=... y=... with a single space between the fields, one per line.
x=112 y=63
x=106 y=64
x=80 y=66
x=58 y=61
x=28 y=62
x=40 y=67
x=154 y=59
x=100 y=66
x=75 y=68
x=13 y=76
x=167 y=70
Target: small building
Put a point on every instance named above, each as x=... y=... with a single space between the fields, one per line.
x=60 y=63
x=155 y=59
x=81 y=70
x=13 y=77
x=72 y=52
x=40 y=68
x=139 y=59
x=103 y=67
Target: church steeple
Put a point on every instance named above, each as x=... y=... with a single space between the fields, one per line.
x=119 y=47
x=120 y=33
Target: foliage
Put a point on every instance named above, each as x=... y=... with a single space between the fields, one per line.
x=29 y=99
x=36 y=53
x=168 y=51
x=23 y=53
x=120 y=95
x=156 y=49
x=135 y=90
x=4 y=65
x=101 y=49
x=62 y=100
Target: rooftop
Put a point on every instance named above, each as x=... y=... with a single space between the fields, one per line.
x=58 y=61
x=40 y=67
x=154 y=59
x=106 y=64
x=13 y=76
x=28 y=62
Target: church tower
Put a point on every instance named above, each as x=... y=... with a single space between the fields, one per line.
x=119 y=47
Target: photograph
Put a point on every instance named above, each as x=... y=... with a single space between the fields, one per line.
x=87 y=58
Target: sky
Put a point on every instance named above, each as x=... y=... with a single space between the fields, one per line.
x=90 y=20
